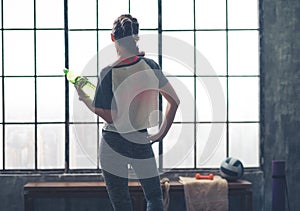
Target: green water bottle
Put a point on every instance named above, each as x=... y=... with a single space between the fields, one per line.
x=81 y=82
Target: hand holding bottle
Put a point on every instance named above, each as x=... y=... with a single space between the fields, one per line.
x=82 y=95
x=85 y=89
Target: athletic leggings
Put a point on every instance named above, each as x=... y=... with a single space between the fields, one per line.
x=117 y=152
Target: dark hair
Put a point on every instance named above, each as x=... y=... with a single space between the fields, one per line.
x=125 y=31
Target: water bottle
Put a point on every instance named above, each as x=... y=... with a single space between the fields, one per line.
x=81 y=82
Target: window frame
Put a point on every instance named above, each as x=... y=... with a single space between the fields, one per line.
x=67 y=123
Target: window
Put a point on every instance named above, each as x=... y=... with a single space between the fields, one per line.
x=209 y=50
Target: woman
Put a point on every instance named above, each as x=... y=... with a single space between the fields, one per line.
x=126 y=98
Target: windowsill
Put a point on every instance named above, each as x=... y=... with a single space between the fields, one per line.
x=172 y=175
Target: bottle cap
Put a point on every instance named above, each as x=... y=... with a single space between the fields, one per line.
x=66 y=71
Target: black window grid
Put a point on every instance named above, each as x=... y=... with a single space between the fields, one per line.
x=67 y=121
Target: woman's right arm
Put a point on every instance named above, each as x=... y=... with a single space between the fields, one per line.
x=105 y=114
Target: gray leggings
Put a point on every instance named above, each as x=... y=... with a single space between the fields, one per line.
x=117 y=151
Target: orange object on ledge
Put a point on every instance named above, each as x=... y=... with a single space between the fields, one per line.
x=199 y=176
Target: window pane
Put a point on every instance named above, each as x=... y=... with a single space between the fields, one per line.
x=173 y=67
x=177 y=14
x=243 y=53
x=105 y=40
x=145 y=12
x=51 y=99
x=51 y=146
x=78 y=111
x=244 y=143
x=1 y=105
x=149 y=44
x=82 y=14
x=178 y=147
x=107 y=52
x=181 y=63
x=243 y=14
x=18 y=53
x=210 y=14
x=83 y=146
x=1 y=117
x=1 y=148
x=184 y=87
x=1 y=58
x=211 y=45
x=211 y=99
x=73 y=98
x=108 y=16
x=18 y=13
x=50 y=14
x=19 y=146
x=83 y=48
x=211 y=145
x=19 y=99
x=50 y=58
x=243 y=99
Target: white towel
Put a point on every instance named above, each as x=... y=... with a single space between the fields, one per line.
x=205 y=195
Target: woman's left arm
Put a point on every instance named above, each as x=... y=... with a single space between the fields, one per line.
x=173 y=102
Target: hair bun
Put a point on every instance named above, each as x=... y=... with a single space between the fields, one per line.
x=127 y=26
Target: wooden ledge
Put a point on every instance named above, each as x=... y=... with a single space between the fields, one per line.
x=175 y=185
x=33 y=190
